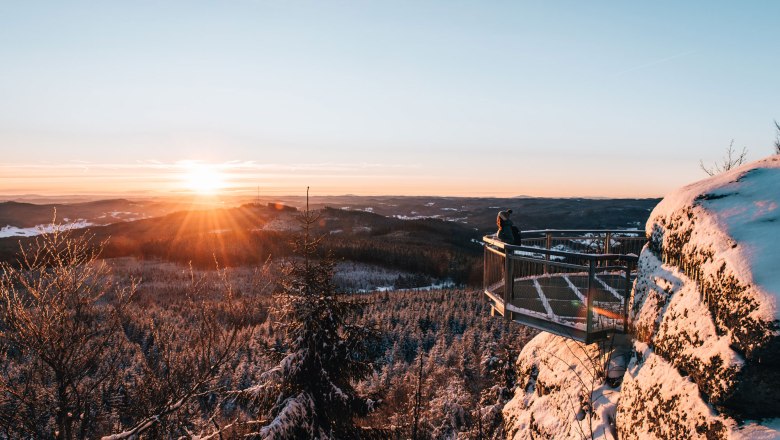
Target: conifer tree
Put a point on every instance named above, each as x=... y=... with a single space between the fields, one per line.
x=310 y=393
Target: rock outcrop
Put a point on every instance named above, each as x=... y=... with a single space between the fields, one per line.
x=562 y=391
x=705 y=318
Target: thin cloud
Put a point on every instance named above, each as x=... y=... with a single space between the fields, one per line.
x=169 y=176
x=231 y=165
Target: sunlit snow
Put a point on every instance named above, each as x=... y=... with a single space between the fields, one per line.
x=13 y=231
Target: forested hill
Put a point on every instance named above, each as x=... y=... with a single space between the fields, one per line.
x=437 y=239
x=251 y=234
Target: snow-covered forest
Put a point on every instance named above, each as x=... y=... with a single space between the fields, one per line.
x=125 y=348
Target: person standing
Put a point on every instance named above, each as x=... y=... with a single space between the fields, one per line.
x=506 y=229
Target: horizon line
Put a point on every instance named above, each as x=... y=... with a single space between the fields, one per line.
x=4 y=198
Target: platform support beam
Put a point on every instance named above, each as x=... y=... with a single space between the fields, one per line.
x=548 y=243
x=591 y=294
x=509 y=282
x=626 y=296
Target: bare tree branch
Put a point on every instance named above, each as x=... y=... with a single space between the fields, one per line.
x=732 y=159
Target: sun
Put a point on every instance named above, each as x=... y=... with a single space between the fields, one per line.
x=203 y=178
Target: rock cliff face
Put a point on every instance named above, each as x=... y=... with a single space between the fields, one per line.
x=705 y=322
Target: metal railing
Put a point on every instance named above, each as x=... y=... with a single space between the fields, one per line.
x=574 y=283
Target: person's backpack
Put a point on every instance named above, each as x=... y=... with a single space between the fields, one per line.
x=516 y=233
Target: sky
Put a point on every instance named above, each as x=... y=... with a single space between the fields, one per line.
x=472 y=98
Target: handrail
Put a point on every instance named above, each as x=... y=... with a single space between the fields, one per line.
x=547 y=261
x=513 y=247
x=553 y=263
x=584 y=231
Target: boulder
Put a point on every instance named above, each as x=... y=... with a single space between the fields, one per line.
x=706 y=295
x=705 y=323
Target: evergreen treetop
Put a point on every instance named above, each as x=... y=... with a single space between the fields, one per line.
x=310 y=392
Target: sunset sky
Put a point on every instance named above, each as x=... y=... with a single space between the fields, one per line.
x=497 y=98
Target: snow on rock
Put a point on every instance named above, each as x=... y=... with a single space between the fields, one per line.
x=724 y=232
x=650 y=295
x=668 y=312
x=706 y=295
x=705 y=320
x=657 y=402
x=561 y=392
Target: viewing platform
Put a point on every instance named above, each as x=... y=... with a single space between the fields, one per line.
x=572 y=283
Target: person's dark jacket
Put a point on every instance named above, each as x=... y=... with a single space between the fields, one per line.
x=505 y=227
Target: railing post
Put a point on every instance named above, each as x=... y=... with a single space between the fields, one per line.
x=485 y=268
x=607 y=239
x=547 y=256
x=626 y=296
x=509 y=282
x=589 y=299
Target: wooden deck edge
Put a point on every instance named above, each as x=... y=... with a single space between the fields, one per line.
x=548 y=326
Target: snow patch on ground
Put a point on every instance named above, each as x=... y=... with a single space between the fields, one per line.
x=13 y=231
x=414 y=217
x=280 y=224
x=767 y=430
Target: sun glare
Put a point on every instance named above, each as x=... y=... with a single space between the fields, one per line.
x=203 y=178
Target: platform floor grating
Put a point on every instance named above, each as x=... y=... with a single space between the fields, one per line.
x=561 y=298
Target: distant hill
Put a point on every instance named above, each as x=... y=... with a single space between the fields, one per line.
x=27 y=215
x=434 y=236
x=480 y=212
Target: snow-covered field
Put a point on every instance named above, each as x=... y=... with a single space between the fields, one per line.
x=281 y=224
x=13 y=231
x=364 y=278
